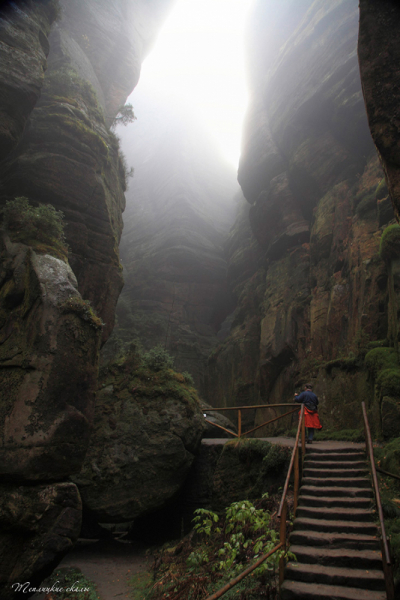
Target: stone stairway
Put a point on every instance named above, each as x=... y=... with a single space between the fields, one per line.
x=335 y=538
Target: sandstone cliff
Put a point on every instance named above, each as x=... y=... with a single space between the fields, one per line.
x=379 y=55
x=309 y=283
x=66 y=68
x=180 y=205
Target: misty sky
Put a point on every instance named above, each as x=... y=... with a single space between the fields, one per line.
x=198 y=61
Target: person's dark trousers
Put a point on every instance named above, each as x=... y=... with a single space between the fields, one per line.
x=310 y=433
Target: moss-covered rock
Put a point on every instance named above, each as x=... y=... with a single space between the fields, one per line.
x=388 y=382
x=49 y=359
x=390 y=412
x=147 y=428
x=246 y=469
x=389 y=248
x=38 y=526
x=379 y=359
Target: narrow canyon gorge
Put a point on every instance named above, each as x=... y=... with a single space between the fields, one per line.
x=188 y=285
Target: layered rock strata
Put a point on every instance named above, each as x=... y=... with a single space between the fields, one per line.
x=309 y=283
x=66 y=68
x=180 y=204
x=379 y=55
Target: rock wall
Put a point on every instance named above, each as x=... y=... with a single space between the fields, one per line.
x=304 y=266
x=379 y=55
x=180 y=205
x=66 y=68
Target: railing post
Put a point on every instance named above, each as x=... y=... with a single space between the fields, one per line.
x=239 y=423
x=282 y=539
x=303 y=439
x=296 y=480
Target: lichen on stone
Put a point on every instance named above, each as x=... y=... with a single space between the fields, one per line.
x=76 y=304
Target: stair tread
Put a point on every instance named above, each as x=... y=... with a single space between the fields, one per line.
x=345 y=525
x=347 y=491
x=328 y=464
x=349 y=448
x=339 y=481
x=328 y=539
x=331 y=472
x=334 y=455
x=331 y=592
x=338 y=510
x=366 y=574
x=327 y=499
x=373 y=555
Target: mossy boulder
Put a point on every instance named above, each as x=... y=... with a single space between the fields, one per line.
x=247 y=469
x=378 y=359
x=388 y=382
x=147 y=429
x=390 y=411
x=49 y=356
x=389 y=457
x=39 y=524
x=389 y=248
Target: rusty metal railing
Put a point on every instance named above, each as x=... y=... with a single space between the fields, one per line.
x=282 y=513
x=241 y=434
x=386 y=560
x=294 y=464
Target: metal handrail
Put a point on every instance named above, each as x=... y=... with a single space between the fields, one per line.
x=242 y=575
x=239 y=434
x=386 y=560
x=294 y=459
x=283 y=508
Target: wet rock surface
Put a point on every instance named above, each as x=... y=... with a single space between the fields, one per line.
x=180 y=205
x=39 y=525
x=379 y=55
x=147 y=429
x=66 y=68
x=49 y=395
x=307 y=278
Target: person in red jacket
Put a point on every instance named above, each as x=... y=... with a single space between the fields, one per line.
x=311 y=418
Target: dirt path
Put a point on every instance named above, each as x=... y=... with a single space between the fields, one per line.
x=110 y=564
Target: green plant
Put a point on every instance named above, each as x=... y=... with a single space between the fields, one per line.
x=124 y=116
x=40 y=226
x=222 y=547
x=188 y=378
x=158 y=359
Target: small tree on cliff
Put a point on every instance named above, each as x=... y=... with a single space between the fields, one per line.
x=124 y=116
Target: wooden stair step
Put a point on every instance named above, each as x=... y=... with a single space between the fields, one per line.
x=338 y=557
x=299 y=590
x=337 y=491
x=342 y=473
x=361 y=482
x=334 y=525
x=315 y=573
x=332 y=456
x=335 y=513
x=326 y=539
x=334 y=464
x=338 y=501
